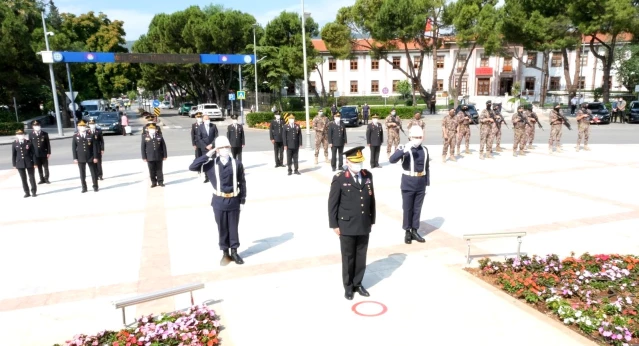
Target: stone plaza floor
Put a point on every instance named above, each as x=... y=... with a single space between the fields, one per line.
x=66 y=255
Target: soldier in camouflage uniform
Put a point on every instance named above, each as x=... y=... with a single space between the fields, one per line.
x=463 y=132
x=519 y=124
x=583 y=120
x=393 y=124
x=556 y=123
x=496 y=130
x=449 y=132
x=417 y=121
x=320 y=125
x=486 y=131
x=530 y=129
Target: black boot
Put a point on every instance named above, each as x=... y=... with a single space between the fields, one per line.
x=416 y=236
x=236 y=257
x=408 y=237
x=226 y=257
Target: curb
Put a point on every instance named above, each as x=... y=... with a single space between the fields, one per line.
x=51 y=139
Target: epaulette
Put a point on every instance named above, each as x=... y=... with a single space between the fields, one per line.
x=338 y=174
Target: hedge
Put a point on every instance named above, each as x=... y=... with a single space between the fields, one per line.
x=402 y=112
x=9 y=129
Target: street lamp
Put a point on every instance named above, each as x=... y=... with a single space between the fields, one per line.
x=255 y=69
x=54 y=90
x=308 y=120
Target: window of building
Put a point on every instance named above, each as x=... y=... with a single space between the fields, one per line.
x=332 y=65
x=332 y=86
x=440 y=61
x=374 y=86
x=396 y=62
x=484 y=60
x=440 y=85
x=508 y=64
x=531 y=59
x=395 y=85
x=609 y=82
x=556 y=60
x=416 y=61
x=464 y=85
x=353 y=64
x=530 y=85
x=311 y=87
x=555 y=83
x=353 y=86
x=582 y=83
x=584 y=57
x=461 y=60
x=375 y=64
x=483 y=86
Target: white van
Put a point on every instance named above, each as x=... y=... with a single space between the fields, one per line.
x=92 y=105
x=212 y=110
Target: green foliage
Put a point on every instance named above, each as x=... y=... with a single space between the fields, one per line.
x=337 y=40
x=597 y=93
x=9 y=129
x=383 y=112
x=404 y=88
x=627 y=66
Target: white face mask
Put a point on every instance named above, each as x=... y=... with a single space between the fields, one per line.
x=355 y=167
x=199 y=120
x=337 y=120
x=36 y=128
x=277 y=117
x=82 y=129
x=151 y=133
x=223 y=152
x=374 y=121
x=207 y=122
x=416 y=142
x=234 y=121
x=393 y=113
x=20 y=137
x=92 y=127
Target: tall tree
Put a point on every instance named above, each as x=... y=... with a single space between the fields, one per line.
x=627 y=66
x=606 y=22
x=54 y=17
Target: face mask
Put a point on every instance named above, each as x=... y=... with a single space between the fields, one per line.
x=224 y=152
x=355 y=167
x=393 y=113
x=151 y=133
x=416 y=142
x=92 y=127
x=82 y=129
x=291 y=122
x=374 y=121
x=20 y=137
x=207 y=122
x=234 y=121
x=199 y=120
x=36 y=128
x=277 y=117
x=337 y=120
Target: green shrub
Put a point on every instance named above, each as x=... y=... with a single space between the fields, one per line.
x=409 y=102
x=9 y=129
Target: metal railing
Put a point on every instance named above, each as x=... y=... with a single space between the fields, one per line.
x=469 y=237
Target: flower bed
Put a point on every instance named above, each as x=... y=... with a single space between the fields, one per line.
x=197 y=326
x=595 y=295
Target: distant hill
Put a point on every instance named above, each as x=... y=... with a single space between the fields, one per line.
x=129 y=45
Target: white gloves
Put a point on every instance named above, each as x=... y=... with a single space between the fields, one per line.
x=210 y=153
x=241 y=207
x=407 y=147
x=400 y=147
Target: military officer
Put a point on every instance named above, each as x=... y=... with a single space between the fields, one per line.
x=393 y=126
x=154 y=154
x=374 y=140
x=229 y=195
x=496 y=130
x=416 y=177
x=352 y=192
x=235 y=134
x=556 y=123
x=449 y=132
x=583 y=121
x=486 y=120
x=98 y=138
x=42 y=151
x=417 y=121
x=24 y=160
x=320 y=125
x=276 y=132
x=207 y=133
x=292 y=143
x=464 y=119
x=85 y=152
x=337 y=139
x=519 y=124
x=530 y=126
x=194 y=134
x=150 y=119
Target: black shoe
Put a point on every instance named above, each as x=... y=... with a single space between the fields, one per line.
x=290 y=173
x=277 y=166
x=41 y=182
x=408 y=237
x=206 y=180
x=26 y=195
x=333 y=169
x=348 y=295
x=47 y=181
x=226 y=257
x=416 y=236
x=236 y=258
x=95 y=189
x=100 y=178
x=153 y=185
x=298 y=173
x=362 y=291
x=34 y=194
x=84 y=189
x=161 y=184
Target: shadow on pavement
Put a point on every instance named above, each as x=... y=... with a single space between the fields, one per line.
x=59 y=190
x=306 y=170
x=122 y=175
x=266 y=244
x=427 y=227
x=120 y=185
x=179 y=181
x=177 y=172
x=255 y=166
x=382 y=269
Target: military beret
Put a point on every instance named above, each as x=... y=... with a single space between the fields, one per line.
x=355 y=155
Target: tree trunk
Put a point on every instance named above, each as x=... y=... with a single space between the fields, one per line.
x=607 y=67
x=577 y=74
x=461 y=75
x=570 y=84
x=544 y=78
x=450 y=82
x=434 y=59
x=323 y=96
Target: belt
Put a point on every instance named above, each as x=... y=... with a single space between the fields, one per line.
x=414 y=174
x=223 y=194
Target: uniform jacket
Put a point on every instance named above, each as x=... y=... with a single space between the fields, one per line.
x=320 y=125
x=413 y=183
x=463 y=119
x=194 y=129
x=235 y=134
x=485 y=114
x=84 y=149
x=276 y=130
x=22 y=155
x=450 y=125
x=394 y=120
x=292 y=136
x=203 y=140
x=351 y=207
x=226 y=177
x=366 y=110
x=41 y=144
x=98 y=138
x=337 y=134
x=153 y=148
x=520 y=124
x=416 y=122
x=584 y=122
x=374 y=134
x=555 y=119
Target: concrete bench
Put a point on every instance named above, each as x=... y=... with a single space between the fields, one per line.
x=469 y=237
x=122 y=304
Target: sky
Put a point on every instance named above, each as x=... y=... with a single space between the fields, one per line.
x=137 y=14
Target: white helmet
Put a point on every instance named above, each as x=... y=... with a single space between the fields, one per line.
x=415 y=131
x=221 y=142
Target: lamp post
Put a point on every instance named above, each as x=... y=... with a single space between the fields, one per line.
x=54 y=90
x=257 y=109
x=308 y=120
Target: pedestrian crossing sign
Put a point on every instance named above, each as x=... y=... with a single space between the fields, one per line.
x=156 y=111
x=241 y=95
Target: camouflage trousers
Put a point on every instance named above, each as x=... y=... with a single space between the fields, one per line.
x=584 y=133
x=392 y=140
x=450 y=143
x=555 y=136
x=520 y=140
x=496 y=138
x=530 y=134
x=321 y=140
x=464 y=133
x=485 y=139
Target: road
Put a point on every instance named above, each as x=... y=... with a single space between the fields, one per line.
x=177 y=135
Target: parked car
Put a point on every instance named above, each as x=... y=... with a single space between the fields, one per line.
x=185 y=108
x=87 y=116
x=600 y=115
x=212 y=110
x=192 y=112
x=166 y=105
x=632 y=112
x=472 y=111
x=350 y=116
x=109 y=122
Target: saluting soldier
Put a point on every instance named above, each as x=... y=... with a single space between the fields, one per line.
x=393 y=126
x=229 y=195
x=583 y=123
x=556 y=123
x=320 y=124
x=235 y=134
x=276 y=132
x=154 y=154
x=41 y=151
x=416 y=177
x=336 y=140
x=194 y=128
x=207 y=133
x=519 y=125
x=416 y=121
x=23 y=159
x=292 y=143
x=449 y=132
x=98 y=138
x=85 y=152
x=374 y=140
x=486 y=121
x=496 y=130
x=352 y=192
x=464 y=119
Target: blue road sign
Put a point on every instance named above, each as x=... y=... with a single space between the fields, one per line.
x=231 y=97
x=241 y=95
x=152 y=58
x=156 y=103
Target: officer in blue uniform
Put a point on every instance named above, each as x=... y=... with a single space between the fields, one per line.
x=98 y=138
x=41 y=151
x=415 y=178
x=23 y=159
x=229 y=194
x=154 y=154
x=351 y=215
x=84 y=154
x=235 y=134
x=194 y=134
x=374 y=140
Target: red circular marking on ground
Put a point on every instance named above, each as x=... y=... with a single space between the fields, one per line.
x=384 y=309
